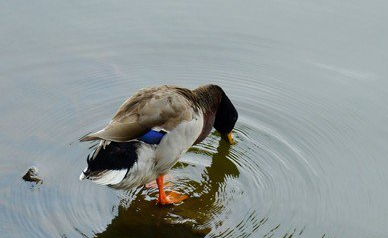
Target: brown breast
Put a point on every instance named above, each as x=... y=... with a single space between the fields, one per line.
x=208 y=121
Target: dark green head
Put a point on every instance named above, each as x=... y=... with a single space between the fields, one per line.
x=226 y=117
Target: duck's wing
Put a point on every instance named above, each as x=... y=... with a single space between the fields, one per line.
x=164 y=107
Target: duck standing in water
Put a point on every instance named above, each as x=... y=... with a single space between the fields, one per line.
x=151 y=131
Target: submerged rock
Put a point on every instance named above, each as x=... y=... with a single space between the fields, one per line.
x=32 y=175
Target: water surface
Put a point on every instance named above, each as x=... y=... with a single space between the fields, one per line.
x=309 y=80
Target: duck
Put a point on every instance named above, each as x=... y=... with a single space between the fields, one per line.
x=150 y=132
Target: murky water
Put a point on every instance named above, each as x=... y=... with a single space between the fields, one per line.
x=309 y=80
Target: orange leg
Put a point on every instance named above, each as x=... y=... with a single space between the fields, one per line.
x=171 y=198
x=155 y=185
x=162 y=195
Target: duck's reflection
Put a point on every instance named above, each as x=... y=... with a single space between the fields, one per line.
x=144 y=219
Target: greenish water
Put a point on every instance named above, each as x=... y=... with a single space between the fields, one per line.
x=309 y=80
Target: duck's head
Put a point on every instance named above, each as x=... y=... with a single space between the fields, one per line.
x=226 y=117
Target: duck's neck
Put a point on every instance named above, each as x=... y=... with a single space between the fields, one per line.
x=208 y=98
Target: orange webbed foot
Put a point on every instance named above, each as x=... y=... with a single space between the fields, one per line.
x=172 y=198
x=169 y=198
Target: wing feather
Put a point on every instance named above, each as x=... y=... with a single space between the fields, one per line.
x=162 y=107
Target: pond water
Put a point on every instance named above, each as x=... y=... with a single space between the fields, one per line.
x=309 y=79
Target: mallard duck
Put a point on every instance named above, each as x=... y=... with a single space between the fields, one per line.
x=150 y=132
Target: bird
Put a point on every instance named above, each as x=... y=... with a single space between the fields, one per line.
x=150 y=132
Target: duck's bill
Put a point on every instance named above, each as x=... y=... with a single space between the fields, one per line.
x=230 y=138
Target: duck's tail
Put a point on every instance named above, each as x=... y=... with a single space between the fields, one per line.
x=110 y=162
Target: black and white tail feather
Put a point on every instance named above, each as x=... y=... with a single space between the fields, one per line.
x=111 y=162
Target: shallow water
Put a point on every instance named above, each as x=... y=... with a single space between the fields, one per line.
x=309 y=80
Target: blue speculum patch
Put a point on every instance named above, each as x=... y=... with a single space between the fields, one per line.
x=152 y=137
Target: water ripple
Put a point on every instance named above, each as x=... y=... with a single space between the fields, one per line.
x=311 y=138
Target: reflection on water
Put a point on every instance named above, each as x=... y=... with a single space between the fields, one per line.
x=193 y=218
x=215 y=197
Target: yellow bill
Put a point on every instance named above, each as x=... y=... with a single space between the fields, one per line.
x=230 y=138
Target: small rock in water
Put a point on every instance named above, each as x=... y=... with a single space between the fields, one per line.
x=32 y=175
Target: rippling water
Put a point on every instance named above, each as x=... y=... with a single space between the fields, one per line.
x=309 y=80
